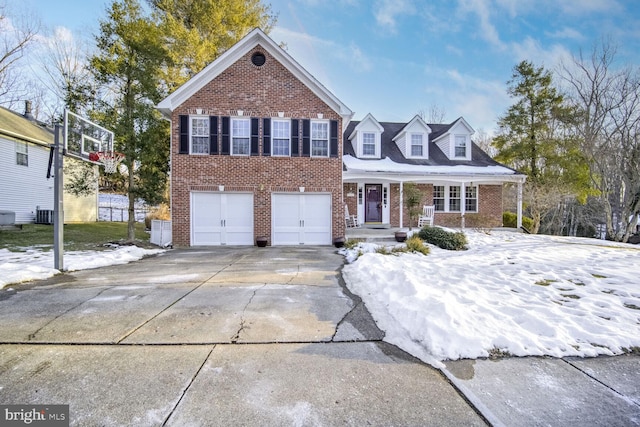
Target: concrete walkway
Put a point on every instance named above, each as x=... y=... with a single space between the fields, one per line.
x=266 y=336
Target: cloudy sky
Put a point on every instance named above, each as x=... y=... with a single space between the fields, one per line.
x=394 y=58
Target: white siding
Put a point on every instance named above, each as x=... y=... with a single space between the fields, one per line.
x=23 y=188
x=445 y=145
x=402 y=145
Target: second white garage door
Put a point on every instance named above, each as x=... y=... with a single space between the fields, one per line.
x=221 y=218
x=301 y=219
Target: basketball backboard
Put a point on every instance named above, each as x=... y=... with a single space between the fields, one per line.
x=83 y=137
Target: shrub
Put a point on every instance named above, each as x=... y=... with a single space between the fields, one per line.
x=416 y=244
x=452 y=241
x=510 y=219
x=352 y=243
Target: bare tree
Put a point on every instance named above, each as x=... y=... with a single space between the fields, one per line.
x=434 y=114
x=608 y=100
x=15 y=37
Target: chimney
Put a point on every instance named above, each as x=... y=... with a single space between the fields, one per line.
x=27 y=111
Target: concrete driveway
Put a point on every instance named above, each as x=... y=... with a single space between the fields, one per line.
x=267 y=336
x=215 y=336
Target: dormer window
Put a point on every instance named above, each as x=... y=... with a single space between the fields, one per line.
x=369 y=144
x=460 y=146
x=417 y=145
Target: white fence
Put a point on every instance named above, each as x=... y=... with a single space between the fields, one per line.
x=160 y=232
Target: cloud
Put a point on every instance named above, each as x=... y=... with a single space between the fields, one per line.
x=531 y=50
x=580 y=7
x=567 y=33
x=482 y=8
x=387 y=11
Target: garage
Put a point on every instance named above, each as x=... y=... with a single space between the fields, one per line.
x=221 y=218
x=301 y=219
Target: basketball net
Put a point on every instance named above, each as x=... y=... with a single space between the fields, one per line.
x=110 y=159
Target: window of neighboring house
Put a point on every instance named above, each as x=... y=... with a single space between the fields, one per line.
x=319 y=139
x=22 y=156
x=199 y=135
x=416 y=145
x=438 y=198
x=471 y=199
x=368 y=144
x=461 y=146
x=240 y=137
x=281 y=133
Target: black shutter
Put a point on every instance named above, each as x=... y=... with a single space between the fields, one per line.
x=184 y=135
x=295 y=138
x=266 y=137
x=255 y=136
x=225 y=136
x=213 y=135
x=333 y=138
x=306 y=138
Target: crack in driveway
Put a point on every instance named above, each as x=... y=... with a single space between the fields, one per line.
x=234 y=339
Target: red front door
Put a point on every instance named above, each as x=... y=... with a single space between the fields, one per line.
x=373 y=207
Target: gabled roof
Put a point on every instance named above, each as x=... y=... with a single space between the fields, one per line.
x=390 y=150
x=15 y=126
x=459 y=120
x=369 y=117
x=416 y=119
x=250 y=41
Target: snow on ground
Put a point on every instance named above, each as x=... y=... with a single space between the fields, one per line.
x=35 y=264
x=115 y=207
x=510 y=292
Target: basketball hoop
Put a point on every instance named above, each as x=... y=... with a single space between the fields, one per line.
x=110 y=159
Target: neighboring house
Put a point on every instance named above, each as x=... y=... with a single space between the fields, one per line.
x=462 y=182
x=256 y=151
x=24 y=160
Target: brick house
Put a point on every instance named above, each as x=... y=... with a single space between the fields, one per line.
x=454 y=175
x=257 y=151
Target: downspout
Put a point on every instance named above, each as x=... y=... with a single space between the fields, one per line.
x=519 y=206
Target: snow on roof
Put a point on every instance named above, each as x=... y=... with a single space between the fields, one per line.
x=387 y=165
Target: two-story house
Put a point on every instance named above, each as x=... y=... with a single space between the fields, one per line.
x=257 y=152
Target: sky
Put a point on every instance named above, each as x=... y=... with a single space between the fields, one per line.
x=396 y=58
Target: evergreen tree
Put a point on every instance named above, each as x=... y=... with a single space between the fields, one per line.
x=534 y=138
x=130 y=56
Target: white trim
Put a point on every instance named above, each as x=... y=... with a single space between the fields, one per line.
x=467 y=147
x=206 y=119
x=237 y=51
x=273 y=138
x=324 y=122
x=425 y=146
x=231 y=135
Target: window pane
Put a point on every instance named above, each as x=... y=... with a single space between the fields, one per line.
x=240 y=146
x=416 y=145
x=281 y=133
x=200 y=135
x=369 y=144
x=240 y=131
x=471 y=202
x=461 y=146
x=438 y=197
x=281 y=147
x=454 y=199
x=22 y=157
x=320 y=139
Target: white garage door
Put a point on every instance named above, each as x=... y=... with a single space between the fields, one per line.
x=221 y=219
x=301 y=219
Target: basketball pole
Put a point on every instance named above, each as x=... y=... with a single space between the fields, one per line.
x=58 y=205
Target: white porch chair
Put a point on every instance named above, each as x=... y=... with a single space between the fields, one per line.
x=351 y=221
x=426 y=218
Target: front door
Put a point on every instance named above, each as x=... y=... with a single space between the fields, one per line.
x=373 y=207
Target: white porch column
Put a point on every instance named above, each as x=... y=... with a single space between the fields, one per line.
x=401 y=203
x=519 y=206
x=463 y=202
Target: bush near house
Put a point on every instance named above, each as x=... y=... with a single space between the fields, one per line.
x=452 y=241
x=510 y=220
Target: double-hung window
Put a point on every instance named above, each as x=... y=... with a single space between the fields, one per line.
x=199 y=135
x=454 y=198
x=417 y=148
x=439 y=198
x=240 y=137
x=368 y=144
x=319 y=139
x=471 y=199
x=281 y=133
x=447 y=198
x=22 y=155
x=460 y=146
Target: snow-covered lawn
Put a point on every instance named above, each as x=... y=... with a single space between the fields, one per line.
x=35 y=264
x=509 y=293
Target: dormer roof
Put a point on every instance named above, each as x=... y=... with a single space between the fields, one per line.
x=367 y=119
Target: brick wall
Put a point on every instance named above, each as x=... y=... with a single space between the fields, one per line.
x=489 y=214
x=259 y=92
